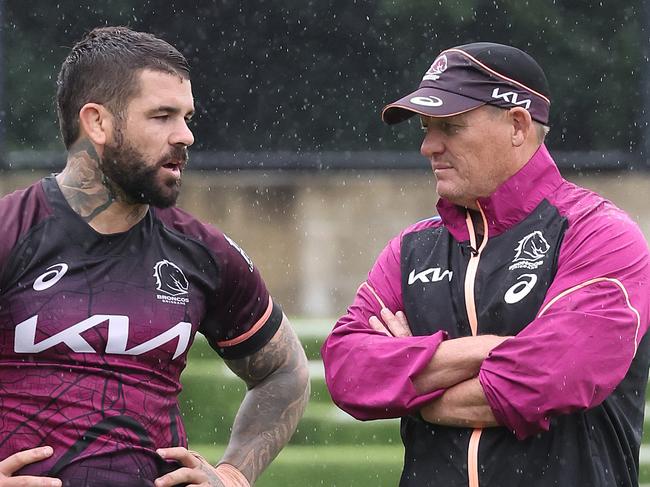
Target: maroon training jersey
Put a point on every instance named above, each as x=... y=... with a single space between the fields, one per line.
x=94 y=329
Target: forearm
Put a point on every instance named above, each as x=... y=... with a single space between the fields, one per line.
x=462 y=405
x=264 y=424
x=272 y=407
x=369 y=374
x=455 y=361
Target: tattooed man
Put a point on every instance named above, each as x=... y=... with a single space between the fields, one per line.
x=104 y=283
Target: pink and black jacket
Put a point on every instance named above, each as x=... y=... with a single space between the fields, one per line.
x=562 y=270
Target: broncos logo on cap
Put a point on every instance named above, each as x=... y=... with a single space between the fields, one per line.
x=438 y=67
x=530 y=251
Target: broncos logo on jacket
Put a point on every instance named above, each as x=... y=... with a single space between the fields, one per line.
x=530 y=251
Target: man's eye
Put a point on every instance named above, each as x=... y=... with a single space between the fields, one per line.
x=449 y=128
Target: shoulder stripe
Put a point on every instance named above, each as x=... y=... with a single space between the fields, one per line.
x=374 y=293
x=430 y=219
x=594 y=281
x=387 y=330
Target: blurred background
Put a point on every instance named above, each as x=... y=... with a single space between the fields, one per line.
x=292 y=160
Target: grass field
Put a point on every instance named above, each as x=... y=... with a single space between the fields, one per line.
x=329 y=448
x=332 y=466
x=339 y=466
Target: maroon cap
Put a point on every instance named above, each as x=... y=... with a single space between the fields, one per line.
x=466 y=77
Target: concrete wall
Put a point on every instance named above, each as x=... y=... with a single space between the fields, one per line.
x=314 y=236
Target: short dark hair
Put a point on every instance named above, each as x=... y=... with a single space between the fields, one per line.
x=103 y=67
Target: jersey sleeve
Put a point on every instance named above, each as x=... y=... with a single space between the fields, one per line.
x=370 y=374
x=583 y=340
x=19 y=212
x=242 y=316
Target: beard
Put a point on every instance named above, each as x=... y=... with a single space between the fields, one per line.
x=130 y=178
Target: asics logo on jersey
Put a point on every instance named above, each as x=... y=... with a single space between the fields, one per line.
x=118 y=335
x=170 y=278
x=51 y=277
x=517 y=292
x=433 y=274
x=530 y=251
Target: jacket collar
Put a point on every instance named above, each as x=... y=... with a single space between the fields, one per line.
x=512 y=202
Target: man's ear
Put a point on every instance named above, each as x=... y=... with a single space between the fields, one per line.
x=522 y=125
x=96 y=123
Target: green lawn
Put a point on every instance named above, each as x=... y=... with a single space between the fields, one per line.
x=331 y=466
x=329 y=448
x=338 y=466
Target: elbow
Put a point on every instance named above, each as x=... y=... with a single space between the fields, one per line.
x=344 y=392
x=362 y=399
x=519 y=407
x=298 y=373
x=292 y=378
x=526 y=407
x=302 y=377
x=349 y=402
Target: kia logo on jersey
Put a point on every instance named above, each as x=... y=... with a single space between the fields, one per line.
x=170 y=278
x=116 y=343
x=433 y=274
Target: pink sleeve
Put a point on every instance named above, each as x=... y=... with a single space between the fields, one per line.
x=368 y=373
x=581 y=344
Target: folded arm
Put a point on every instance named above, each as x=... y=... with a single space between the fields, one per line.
x=568 y=359
x=581 y=344
x=376 y=369
x=455 y=362
x=454 y=366
x=462 y=405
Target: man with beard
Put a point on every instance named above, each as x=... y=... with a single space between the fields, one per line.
x=104 y=283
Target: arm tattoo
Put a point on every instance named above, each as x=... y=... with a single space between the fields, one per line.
x=213 y=479
x=278 y=380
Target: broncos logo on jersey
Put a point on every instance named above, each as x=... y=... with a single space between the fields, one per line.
x=530 y=251
x=170 y=278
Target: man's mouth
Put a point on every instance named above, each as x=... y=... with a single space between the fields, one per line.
x=175 y=167
x=441 y=167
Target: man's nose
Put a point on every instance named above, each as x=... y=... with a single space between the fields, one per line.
x=183 y=135
x=432 y=143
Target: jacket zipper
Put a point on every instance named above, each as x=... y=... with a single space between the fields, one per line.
x=470 y=306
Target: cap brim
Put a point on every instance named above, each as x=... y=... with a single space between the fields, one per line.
x=429 y=102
